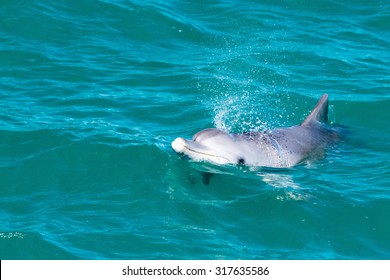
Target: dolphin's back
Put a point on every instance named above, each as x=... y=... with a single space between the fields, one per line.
x=298 y=142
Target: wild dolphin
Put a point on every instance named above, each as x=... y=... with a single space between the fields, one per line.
x=277 y=148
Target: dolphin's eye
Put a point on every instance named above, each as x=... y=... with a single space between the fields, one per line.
x=241 y=161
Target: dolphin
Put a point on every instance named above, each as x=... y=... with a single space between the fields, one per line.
x=276 y=148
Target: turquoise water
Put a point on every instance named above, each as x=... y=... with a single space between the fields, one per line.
x=93 y=92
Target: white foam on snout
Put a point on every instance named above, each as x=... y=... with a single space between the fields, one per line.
x=178 y=145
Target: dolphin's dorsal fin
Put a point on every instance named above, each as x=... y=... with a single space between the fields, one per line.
x=319 y=113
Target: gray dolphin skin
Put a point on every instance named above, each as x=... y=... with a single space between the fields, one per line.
x=277 y=148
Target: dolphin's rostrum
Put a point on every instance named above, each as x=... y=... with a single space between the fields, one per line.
x=278 y=148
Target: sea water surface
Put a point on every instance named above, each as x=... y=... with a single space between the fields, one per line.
x=92 y=93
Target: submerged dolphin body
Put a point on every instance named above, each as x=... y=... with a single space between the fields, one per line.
x=278 y=148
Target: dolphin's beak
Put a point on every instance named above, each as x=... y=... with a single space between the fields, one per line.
x=179 y=145
x=194 y=150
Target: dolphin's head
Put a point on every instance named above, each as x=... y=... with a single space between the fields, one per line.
x=211 y=145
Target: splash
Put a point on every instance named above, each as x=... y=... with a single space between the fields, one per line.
x=246 y=109
x=231 y=112
x=237 y=107
x=244 y=89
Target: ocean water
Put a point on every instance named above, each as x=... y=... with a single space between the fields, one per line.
x=92 y=93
